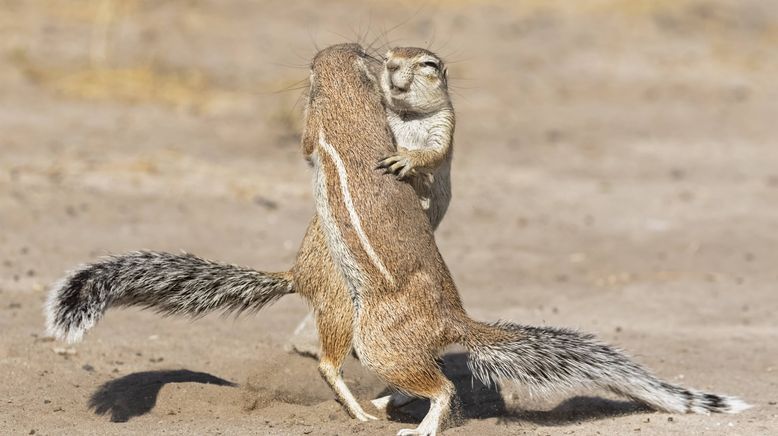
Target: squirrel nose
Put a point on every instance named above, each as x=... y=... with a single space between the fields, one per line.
x=400 y=84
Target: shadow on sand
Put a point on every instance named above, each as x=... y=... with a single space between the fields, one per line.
x=136 y=394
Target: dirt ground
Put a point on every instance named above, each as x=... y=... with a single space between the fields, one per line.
x=616 y=171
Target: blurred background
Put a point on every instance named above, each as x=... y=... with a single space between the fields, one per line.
x=615 y=170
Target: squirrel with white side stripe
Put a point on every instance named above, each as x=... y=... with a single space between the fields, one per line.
x=414 y=85
x=184 y=284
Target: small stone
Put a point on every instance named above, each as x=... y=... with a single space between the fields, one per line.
x=88 y=368
x=677 y=174
x=46 y=401
x=69 y=351
x=670 y=419
x=265 y=202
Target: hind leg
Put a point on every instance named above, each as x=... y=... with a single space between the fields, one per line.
x=335 y=336
x=317 y=280
x=440 y=407
x=425 y=379
x=399 y=338
x=413 y=372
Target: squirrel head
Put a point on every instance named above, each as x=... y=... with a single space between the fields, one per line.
x=414 y=80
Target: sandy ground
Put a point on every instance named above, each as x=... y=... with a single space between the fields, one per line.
x=616 y=171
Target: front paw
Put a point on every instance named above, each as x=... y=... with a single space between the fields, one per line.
x=399 y=164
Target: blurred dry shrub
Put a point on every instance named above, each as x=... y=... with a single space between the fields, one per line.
x=186 y=90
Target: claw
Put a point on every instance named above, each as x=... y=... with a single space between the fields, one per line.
x=383 y=163
x=397 y=167
x=398 y=164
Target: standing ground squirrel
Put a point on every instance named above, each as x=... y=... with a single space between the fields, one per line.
x=184 y=284
x=414 y=85
x=406 y=306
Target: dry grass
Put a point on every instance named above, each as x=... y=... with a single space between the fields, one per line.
x=185 y=90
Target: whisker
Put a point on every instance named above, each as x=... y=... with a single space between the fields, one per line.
x=294 y=66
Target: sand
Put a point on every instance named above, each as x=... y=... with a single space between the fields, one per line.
x=616 y=171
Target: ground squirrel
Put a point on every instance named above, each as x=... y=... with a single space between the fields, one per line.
x=184 y=284
x=406 y=306
x=414 y=84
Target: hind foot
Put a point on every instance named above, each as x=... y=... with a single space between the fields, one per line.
x=394 y=400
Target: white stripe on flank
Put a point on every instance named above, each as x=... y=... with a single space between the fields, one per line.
x=340 y=253
x=352 y=212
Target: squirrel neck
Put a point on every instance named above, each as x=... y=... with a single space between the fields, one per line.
x=410 y=115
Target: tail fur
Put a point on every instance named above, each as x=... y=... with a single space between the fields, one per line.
x=553 y=359
x=171 y=284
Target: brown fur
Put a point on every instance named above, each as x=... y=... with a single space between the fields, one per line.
x=403 y=320
x=315 y=275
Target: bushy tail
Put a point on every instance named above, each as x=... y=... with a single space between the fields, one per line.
x=552 y=359
x=172 y=284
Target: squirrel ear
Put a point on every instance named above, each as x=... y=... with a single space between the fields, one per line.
x=366 y=75
x=445 y=75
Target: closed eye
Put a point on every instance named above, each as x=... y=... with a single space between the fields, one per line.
x=431 y=64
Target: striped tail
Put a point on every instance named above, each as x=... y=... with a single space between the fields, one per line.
x=550 y=359
x=172 y=284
